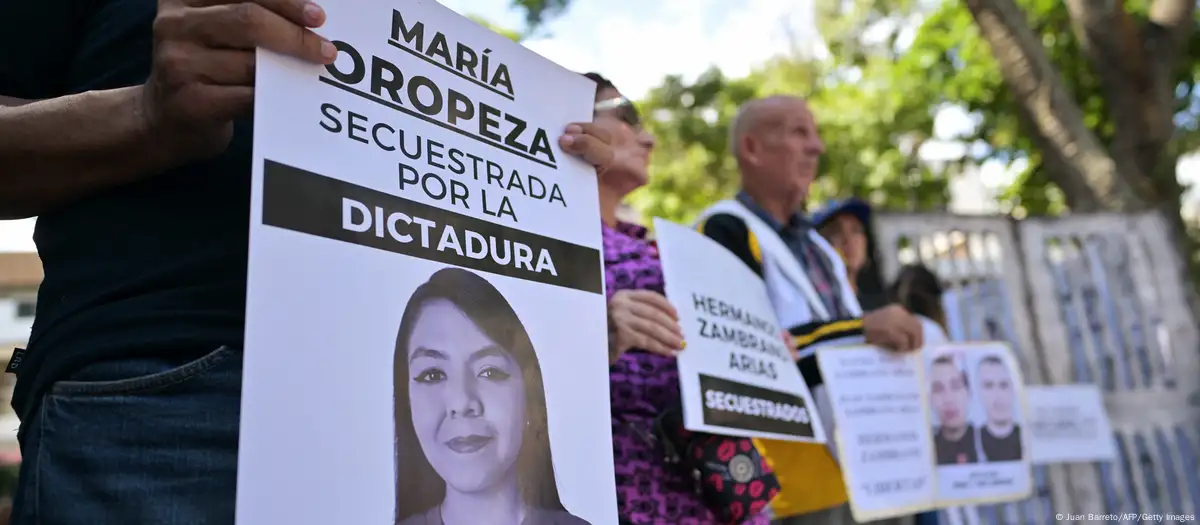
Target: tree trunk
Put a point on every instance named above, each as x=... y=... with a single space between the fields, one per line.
x=1078 y=162
x=1136 y=69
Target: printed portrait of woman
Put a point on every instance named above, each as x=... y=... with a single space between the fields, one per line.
x=472 y=444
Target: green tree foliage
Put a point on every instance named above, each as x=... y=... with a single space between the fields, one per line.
x=875 y=99
x=871 y=119
x=950 y=52
x=537 y=11
x=1098 y=99
x=507 y=33
x=869 y=136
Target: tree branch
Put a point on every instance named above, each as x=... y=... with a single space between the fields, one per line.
x=1136 y=71
x=1171 y=24
x=1082 y=167
x=1109 y=37
x=1166 y=33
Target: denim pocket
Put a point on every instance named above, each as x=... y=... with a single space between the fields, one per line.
x=136 y=440
x=142 y=377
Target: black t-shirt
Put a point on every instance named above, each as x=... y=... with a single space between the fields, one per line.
x=1007 y=448
x=151 y=269
x=958 y=452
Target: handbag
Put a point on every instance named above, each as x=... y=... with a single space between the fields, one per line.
x=730 y=476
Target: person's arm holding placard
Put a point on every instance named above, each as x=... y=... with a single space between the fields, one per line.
x=891 y=327
x=63 y=148
x=642 y=319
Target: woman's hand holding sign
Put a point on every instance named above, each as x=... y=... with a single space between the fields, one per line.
x=642 y=319
x=590 y=141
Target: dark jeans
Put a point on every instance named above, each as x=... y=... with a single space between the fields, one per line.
x=134 y=442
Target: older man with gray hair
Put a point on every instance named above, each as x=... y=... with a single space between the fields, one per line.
x=778 y=150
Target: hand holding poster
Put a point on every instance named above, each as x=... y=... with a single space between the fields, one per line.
x=423 y=251
x=972 y=407
x=737 y=377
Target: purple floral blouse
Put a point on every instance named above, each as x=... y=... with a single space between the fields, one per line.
x=649 y=492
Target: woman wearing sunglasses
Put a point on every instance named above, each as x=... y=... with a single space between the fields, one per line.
x=644 y=335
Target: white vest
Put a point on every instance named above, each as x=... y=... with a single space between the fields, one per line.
x=793 y=296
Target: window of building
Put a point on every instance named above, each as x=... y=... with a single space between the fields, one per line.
x=7 y=382
x=26 y=308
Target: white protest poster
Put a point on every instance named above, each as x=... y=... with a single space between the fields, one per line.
x=736 y=377
x=977 y=416
x=939 y=428
x=885 y=446
x=425 y=328
x=1068 y=424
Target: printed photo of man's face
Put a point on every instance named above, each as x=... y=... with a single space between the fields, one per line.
x=949 y=393
x=996 y=390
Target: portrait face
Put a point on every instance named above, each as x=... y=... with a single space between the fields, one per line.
x=631 y=143
x=949 y=394
x=790 y=148
x=996 y=391
x=846 y=233
x=467 y=397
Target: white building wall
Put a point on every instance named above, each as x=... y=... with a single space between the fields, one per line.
x=14 y=324
x=16 y=319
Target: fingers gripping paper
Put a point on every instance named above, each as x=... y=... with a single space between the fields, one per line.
x=425 y=322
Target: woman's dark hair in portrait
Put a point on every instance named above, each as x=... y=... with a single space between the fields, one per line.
x=417 y=486
x=919 y=291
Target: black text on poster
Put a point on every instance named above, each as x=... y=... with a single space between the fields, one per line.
x=738 y=405
x=306 y=202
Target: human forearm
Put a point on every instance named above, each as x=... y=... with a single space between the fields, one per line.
x=57 y=150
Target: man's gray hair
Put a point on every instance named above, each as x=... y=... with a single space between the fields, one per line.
x=737 y=129
x=747 y=117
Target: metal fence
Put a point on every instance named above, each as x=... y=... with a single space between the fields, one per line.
x=1084 y=299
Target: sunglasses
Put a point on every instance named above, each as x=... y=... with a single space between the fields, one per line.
x=623 y=108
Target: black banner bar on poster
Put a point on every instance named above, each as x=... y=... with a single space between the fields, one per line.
x=738 y=405
x=305 y=202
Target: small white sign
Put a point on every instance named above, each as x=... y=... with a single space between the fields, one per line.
x=737 y=376
x=884 y=443
x=973 y=447
x=1068 y=424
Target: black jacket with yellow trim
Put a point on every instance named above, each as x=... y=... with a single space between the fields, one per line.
x=809 y=337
